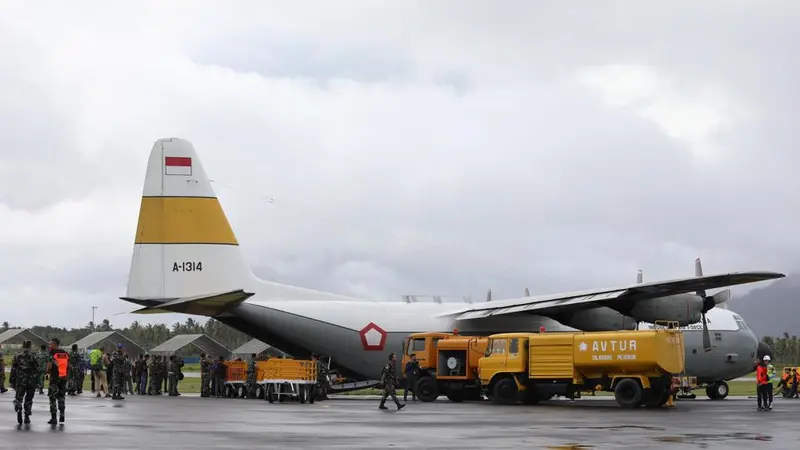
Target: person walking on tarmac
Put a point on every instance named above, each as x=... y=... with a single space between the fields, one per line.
x=58 y=370
x=24 y=380
x=763 y=384
x=770 y=377
x=389 y=382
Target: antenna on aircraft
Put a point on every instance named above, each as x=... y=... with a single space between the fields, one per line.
x=527 y=292
x=489 y=296
x=639 y=277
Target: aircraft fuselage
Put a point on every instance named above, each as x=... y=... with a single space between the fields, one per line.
x=359 y=336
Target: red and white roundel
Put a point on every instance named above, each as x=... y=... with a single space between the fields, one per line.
x=373 y=338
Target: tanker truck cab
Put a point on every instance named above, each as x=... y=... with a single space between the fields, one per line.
x=424 y=346
x=448 y=365
x=637 y=366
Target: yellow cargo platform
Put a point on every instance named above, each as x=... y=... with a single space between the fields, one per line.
x=276 y=378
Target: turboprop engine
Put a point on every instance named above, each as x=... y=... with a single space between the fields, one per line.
x=684 y=308
x=598 y=319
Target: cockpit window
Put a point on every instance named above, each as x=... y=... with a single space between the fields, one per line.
x=740 y=325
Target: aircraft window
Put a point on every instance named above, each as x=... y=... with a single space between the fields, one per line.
x=418 y=345
x=740 y=325
x=513 y=346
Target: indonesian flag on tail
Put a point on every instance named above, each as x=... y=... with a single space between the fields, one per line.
x=177 y=165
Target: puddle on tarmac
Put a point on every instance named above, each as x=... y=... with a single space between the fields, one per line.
x=702 y=440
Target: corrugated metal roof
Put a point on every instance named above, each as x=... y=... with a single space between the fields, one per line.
x=254 y=346
x=99 y=337
x=23 y=334
x=207 y=345
x=250 y=347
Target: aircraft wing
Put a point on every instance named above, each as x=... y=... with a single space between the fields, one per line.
x=571 y=301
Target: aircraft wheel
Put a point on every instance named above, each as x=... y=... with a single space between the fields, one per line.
x=628 y=393
x=505 y=392
x=721 y=390
x=427 y=389
x=711 y=392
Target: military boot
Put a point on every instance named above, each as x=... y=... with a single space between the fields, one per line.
x=27 y=418
x=382 y=406
x=52 y=420
x=61 y=417
x=19 y=416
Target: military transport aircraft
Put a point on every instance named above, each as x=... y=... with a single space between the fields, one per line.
x=186 y=259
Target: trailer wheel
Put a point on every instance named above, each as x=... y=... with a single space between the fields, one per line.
x=271 y=393
x=427 y=389
x=628 y=393
x=505 y=392
x=301 y=393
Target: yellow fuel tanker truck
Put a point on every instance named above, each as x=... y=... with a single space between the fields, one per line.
x=637 y=366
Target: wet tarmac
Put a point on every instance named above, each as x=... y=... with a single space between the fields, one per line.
x=193 y=422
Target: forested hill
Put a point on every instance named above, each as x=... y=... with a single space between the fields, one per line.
x=148 y=336
x=772 y=309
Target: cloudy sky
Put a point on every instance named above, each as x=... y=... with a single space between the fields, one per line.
x=385 y=148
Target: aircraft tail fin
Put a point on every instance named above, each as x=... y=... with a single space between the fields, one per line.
x=184 y=245
x=185 y=249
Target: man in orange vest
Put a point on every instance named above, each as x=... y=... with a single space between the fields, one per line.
x=58 y=370
x=763 y=384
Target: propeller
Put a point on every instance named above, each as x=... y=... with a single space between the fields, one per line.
x=720 y=298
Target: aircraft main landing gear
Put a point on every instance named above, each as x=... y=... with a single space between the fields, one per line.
x=717 y=391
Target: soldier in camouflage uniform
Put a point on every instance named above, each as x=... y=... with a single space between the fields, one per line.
x=75 y=381
x=127 y=375
x=25 y=380
x=389 y=381
x=57 y=390
x=321 y=387
x=205 y=376
x=117 y=373
x=43 y=357
x=153 y=367
x=250 y=385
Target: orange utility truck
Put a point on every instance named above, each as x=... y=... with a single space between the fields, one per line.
x=448 y=365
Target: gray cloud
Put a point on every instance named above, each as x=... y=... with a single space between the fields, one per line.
x=411 y=148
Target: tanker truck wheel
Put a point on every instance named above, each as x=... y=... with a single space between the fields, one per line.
x=628 y=393
x=427 y=389
x=505 y=392
x=656 y=397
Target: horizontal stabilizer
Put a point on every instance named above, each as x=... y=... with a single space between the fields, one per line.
x=202 y=305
